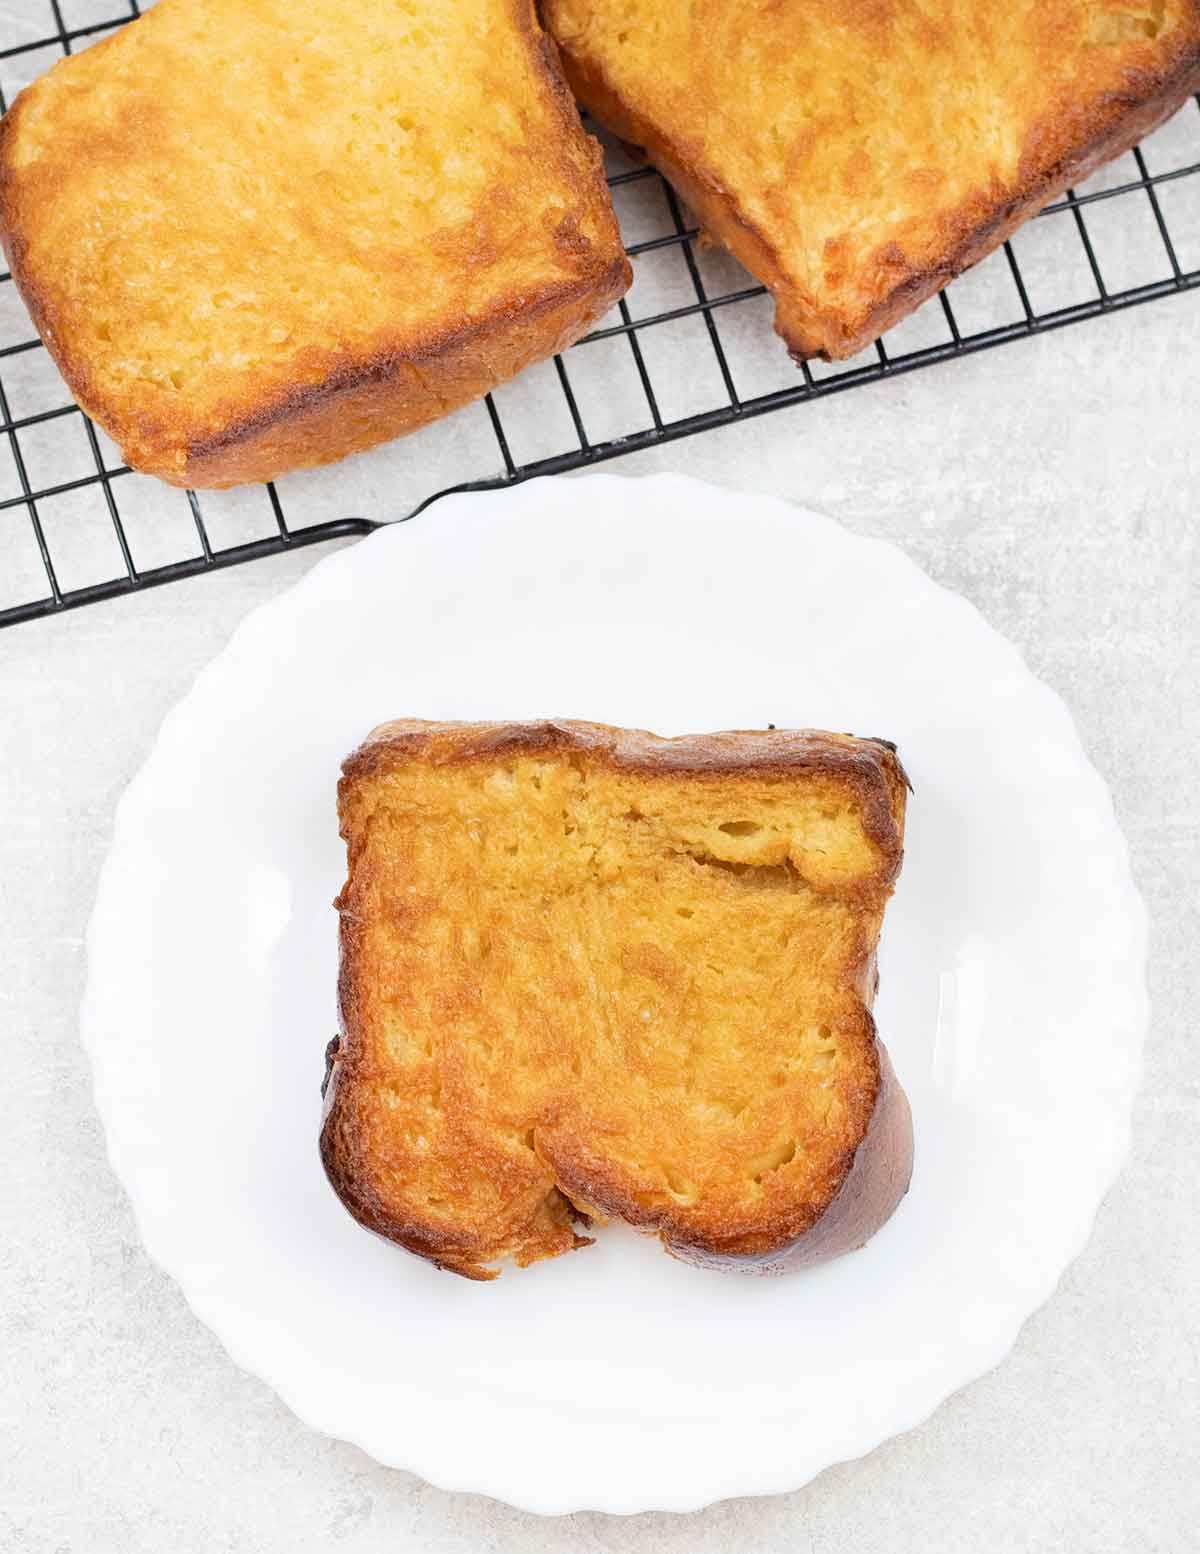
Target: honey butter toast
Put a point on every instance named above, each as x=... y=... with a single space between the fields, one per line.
x=257 y=235
x=856 y=155
x=589 y=973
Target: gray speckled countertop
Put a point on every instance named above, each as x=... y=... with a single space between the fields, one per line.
x=1056 y=483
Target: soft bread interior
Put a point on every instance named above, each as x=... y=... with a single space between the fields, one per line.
x=574 y=982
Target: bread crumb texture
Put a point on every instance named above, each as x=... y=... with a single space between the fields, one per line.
x=586 y=972
x=260 y=235
x=856 y=154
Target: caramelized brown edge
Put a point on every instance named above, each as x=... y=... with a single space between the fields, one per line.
x=877 y=1179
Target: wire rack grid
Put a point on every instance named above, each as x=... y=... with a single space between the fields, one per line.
x=688 y=349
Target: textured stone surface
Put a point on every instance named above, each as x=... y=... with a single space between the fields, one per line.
x=1057 y=485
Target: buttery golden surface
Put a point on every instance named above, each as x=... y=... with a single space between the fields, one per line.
x=586 y=965
x=231 y=210
x=856 y=153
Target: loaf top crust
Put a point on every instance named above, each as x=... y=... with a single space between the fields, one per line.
x=225 y=207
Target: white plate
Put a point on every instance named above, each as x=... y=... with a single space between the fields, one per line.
x=617 y=1379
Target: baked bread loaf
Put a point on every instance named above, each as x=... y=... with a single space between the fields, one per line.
x=856 y=157
x=591 y=973
x=257 y=235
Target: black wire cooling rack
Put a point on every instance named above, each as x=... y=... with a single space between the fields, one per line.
x=689 y=348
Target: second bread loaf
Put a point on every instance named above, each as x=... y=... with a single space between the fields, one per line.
x=257 y=236
x=856 y=157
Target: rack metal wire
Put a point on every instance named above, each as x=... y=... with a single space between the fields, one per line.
x=687 y=350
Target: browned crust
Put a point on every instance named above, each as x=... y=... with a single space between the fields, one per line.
x=1119 y=126
x=875 y=1173
x=878 y=1178
x=401 y=386
x=870 y=766
x=1057 y=155
x=398 y=390
x=351 y=1171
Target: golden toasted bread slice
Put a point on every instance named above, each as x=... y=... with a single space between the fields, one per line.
x=263 y=235
x=591 y=973
x=857 y=156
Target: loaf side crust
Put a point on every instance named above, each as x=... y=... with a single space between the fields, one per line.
x=398 y=390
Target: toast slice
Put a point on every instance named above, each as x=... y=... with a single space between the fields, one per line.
x=588 y=973
x=261 y=236
x=856 y=157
